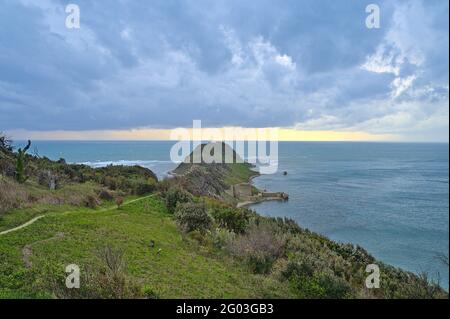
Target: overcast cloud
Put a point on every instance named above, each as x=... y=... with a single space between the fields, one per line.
x=160 y=64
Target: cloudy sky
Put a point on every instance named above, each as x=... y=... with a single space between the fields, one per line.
x=306 y=66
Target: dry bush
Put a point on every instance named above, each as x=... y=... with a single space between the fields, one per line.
x=105 y=195
x=119 y=201
x=106 y=280
x=422 y=287
x=261 y=246
x=12 y=195
x=92 y=202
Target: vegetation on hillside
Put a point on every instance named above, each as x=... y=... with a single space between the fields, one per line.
x=169 y=243
x=56 y=182
x=214 y=179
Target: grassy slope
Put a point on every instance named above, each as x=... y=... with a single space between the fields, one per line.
x=70 y=193
x=239 y=173
x=179 y=271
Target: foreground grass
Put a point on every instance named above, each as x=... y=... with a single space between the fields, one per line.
x=173 y=268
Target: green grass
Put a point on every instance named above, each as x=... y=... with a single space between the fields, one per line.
x=183 y=269
x=70 y=193
x=239 y=173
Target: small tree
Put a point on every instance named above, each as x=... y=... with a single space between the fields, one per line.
x=192 y=217
x=175 y=196
x=119 y=202
x=20 y=163
x=233 y=219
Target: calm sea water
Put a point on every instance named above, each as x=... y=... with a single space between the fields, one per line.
x=390 y=198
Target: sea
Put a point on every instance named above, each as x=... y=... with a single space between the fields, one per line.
x=390 y=198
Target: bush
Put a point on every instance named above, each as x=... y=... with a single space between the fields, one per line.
x=12 y=195
x=119 y=202
x=296 y=268
x=321 y=286
x=193 y=217
x=166 y=184
x=421 y=287
x=92 y=202
x=110 y=182
x=142 y=187
x=175 y=196
x=221 y=238
x=260 y=247
x=309 y=282
x=105 y=280
x=105 y=195
x=233 y=219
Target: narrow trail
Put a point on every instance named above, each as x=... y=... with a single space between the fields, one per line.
x=28 y=223
x=35 y=219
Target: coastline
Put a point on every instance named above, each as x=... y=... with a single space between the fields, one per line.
x=278 y=196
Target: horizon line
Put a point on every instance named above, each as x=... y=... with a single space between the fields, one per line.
x=215 y=134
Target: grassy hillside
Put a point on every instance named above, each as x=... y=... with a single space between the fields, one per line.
x=182 y=269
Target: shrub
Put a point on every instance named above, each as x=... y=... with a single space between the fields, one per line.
x=260 y=247
x=175 y=196
x=12 y=195
x=221 y=238
x=296 y=268
x=334 y=287
x=92 y=202
x=105 y=195
x=197 y=237
x=142 y=187
x=110 y=182
x=105 y=280
x=192 y=217
x=166 y=184
x=233 y=219
x=119 y=201
x=421 y=287
x=310 y=282
x=321 y=286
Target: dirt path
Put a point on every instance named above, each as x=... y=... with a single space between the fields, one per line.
x=28 y=223
x=27 y=250
x=35 y=219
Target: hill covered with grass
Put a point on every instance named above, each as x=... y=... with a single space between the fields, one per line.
x=213 y=179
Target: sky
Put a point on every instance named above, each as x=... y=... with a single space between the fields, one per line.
x=137 y=69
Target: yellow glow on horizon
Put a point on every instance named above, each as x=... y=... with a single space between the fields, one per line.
x=282 y=134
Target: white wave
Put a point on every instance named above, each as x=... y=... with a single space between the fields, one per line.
x=149 y=163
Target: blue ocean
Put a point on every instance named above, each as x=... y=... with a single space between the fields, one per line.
x=390 y=198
